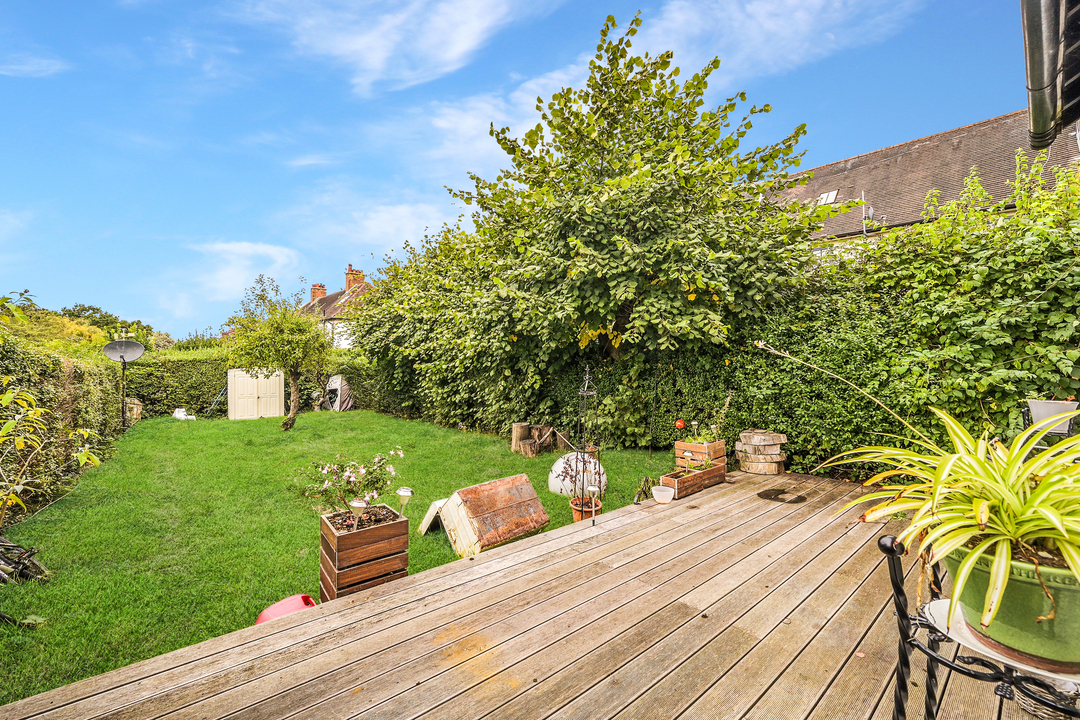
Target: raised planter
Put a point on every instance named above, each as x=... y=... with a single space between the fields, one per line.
x=359 y=559
x=700 y=453
x=685 y=482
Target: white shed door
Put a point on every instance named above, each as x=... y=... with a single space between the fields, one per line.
x=254 y=397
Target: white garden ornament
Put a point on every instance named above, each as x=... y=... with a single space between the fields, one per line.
x=581 y=468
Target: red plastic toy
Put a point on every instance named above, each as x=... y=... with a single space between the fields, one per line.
x=680 y=424
x=286 y=606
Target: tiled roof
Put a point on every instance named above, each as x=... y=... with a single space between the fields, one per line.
x=334 y=305
x=896 y=179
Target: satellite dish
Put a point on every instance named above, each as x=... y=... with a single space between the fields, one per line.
x=123 y=351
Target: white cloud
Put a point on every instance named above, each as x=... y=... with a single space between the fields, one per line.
x=335 y=217
x=767 y=37
x=232 y=266
x=22 y=65
x=309 y=160
x=401 y=42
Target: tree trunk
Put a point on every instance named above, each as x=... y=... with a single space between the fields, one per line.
x=542 y=434
x=294 y=401
x=519 y=432
x=529 y=448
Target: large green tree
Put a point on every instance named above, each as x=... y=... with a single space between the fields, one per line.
x=630 y=216
x=270 y=333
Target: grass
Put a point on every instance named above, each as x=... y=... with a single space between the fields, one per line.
x=192 y=528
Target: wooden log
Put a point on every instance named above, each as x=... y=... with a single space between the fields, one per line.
x=529 y=448
x=769 y=468
x=562 y=440
x=759 y=457
x=759 y=449
x=542 y=434
x=762 y=437
x=519 y=432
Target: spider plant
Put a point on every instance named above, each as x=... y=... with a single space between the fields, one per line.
x=984 y=495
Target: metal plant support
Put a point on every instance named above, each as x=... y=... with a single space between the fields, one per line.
x=1009 y=680
x=586 y=444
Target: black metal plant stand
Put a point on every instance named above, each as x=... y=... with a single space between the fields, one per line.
x=1008 y=680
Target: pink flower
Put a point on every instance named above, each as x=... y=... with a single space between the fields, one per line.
x=390 y=469
x=362 y=470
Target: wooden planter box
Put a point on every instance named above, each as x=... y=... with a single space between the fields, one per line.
x=713 y=475
x=359 y=559
x=700 y=453
x=685 y=482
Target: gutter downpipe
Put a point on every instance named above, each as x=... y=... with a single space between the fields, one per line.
x=1043 y=37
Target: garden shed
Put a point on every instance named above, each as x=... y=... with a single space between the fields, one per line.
x=252 y=397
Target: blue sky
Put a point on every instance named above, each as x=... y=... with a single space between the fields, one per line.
x=156 y=155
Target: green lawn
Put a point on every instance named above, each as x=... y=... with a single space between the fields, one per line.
x=193 y=528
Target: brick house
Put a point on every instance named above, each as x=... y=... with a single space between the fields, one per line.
x=333 y=308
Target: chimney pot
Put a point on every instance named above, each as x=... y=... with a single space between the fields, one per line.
x=318 y=290
x=353 y=278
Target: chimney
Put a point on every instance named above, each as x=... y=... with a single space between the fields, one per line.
x=318 y=290
x=353 y=278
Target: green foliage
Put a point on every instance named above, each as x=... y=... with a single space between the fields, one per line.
x=81 y=393
x=271 y=332
x=630 y=218
x=162 y=341
x=982 y=493
x=197 y=341
x=92 y=314
x=172 y=379
x=992 y=297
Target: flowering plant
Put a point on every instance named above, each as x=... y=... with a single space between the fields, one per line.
x=340 y=480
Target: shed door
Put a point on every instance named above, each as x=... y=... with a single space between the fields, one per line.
x=252 y=397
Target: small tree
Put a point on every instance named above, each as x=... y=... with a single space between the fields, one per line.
x=270 y=333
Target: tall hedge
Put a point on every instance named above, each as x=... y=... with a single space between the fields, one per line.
x=79 y=392
x=189 y=379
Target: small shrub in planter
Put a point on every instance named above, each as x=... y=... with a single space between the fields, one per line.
x=360 y=546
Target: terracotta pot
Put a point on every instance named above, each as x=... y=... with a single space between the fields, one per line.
x=582 y=508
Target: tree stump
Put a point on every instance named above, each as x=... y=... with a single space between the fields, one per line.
x=520 y=431
x=562 y=440
x=529 y=448
x=543 y=435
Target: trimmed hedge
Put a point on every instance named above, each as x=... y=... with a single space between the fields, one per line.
x=188 y=379
x=80 y=392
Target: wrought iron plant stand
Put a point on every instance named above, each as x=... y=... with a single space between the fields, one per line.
x=1009 y=680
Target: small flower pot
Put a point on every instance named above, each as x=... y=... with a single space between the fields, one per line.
x=583 y=508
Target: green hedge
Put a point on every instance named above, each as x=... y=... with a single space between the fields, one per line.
x=188 y=379
x=81 y=392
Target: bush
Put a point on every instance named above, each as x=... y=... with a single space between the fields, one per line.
x=172 y=379
x=82 y=392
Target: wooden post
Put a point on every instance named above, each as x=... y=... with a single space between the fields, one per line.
x=520 y=432
x=529 y=448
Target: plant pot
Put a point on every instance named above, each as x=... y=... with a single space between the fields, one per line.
x=663 y=494
x=583 y=508
x=1015 y=632
x=355 y=560
x=685 y=482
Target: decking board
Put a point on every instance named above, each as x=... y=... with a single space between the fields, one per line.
x=718 y=605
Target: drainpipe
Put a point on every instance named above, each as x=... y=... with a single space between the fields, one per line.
x=1043 y=36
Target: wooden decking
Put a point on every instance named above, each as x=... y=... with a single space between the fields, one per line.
x=721 y=605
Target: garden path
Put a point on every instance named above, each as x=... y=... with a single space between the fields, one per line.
x=719 y=605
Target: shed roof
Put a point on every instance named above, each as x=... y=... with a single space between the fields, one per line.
x=896 y=180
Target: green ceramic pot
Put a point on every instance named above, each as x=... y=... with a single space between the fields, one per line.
x=1016 y=631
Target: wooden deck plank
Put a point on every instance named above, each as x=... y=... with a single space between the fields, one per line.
x=297 y=642
x=649 y=554
x=571 y=666
x=385 y=599
x=718 y=605
x=724 y=677
x=969 y=699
